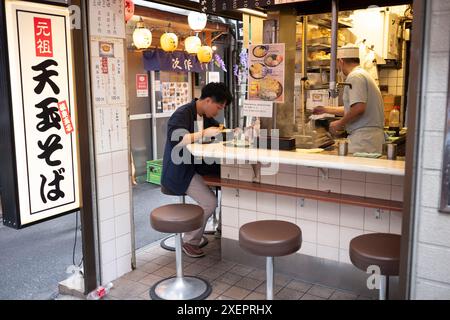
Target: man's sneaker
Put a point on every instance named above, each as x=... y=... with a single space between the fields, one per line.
x=192 y=251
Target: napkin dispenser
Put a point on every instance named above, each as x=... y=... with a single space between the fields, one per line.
x=275 y=143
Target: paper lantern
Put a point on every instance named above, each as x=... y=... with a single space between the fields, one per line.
x=204 y=54
x=197 y=20
x=169 y=41
x=129 y=9
x=192 y=44
x=142 y=37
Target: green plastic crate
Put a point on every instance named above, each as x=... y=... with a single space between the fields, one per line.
x=154 y=169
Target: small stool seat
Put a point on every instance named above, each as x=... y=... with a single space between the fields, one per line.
x=177 y=218
x=270 y=238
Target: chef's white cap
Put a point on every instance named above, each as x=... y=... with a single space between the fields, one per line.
x=348 y=52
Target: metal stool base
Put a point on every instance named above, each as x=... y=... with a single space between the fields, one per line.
x=168 y=243
x=180 y=288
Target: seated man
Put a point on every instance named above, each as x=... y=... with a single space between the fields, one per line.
x=188 y=124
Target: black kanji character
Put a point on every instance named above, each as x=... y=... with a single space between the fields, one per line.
x=50 y=116
x=44 y=77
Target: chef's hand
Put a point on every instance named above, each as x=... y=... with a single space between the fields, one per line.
x=336 y=127
x=319 y=110
x=211 y=132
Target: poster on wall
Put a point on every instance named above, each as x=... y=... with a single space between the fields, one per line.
x=174 y=95
x=44 y=111
x=141 y=85
x=106 y=18
x=266 y=72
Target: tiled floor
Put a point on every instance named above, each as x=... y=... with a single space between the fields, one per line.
x=230 y=281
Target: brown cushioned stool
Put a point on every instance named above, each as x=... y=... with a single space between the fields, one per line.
x=168 y=242
x=178 y=218
x=270 y=238
x=377 y=249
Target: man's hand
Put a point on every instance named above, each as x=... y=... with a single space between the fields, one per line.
x=336 y=127
x=211 y=132
x=319 y=110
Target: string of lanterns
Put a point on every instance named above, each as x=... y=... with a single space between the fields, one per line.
x=142 y=36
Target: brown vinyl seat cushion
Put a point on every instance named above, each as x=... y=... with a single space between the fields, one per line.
x=270 y=238
x=177 y=218
x=381 y=249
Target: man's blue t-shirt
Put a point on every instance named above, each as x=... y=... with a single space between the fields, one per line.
x=178 y=163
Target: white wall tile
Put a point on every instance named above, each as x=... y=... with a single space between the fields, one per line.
x=434 y=227
x=309 y=249
x=397 y=180
x=229 y=172
x=430 y=188
x=356 y=188
x=328 y=252
x=266 y=202
x=352 y=216
x=269 y=179
x=328 y=212
x=378 y=191
x=307 y=209
x=246 y=216
x=247 y=199
x=433 y=145
x=395 y=225
x=432 y=263
x=123 y=265
x=334 y=173
x=431 y=290
x=103 y=164
x=346 y=235
x=246 y=174
x=123 y=224
x=378 y=178
x=353 y=175
x=308 y=171
x=230 y=217
x=106 y=209
x=120 y=161
x=287 y=179
x=108 y=252
x=122 y=203
x=105 y=186
x=109 y=272
x=309 y=230
x=344 y=256
x=107 y=230
x=331 y=185
x=437 y=72
x=287 y=219
x=435 y=106
x=288 y=168
x=230 y=233
x=307 y=182
x=440 y=30
x=230 y=197
x=123 y=245
x=265 y=216
x=372 y=223
x=121 y=182
x=286 y=206
x=397 y=193
x=328 y=235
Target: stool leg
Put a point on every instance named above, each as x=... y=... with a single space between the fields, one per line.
x=178 y=255
x=383 y=287
x=269 y=278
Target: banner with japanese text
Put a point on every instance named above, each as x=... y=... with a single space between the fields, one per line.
x=44 y=112
x=178 y=61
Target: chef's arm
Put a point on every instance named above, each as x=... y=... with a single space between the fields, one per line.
x=338 y=111
x=356 y=110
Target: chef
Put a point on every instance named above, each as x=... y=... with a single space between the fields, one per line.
x=363 y=110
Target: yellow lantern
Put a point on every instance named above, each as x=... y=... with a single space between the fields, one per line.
x=169 y=41
x=192 y=44
x=204 y=54
x=142 y=37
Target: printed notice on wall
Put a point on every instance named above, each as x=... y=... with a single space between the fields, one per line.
x=266 y=72
x=141 y=85
x=106 y=18
x=253 y=108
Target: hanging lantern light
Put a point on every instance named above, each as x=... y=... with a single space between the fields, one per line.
x=129 y=9
x=204 y=54
x=142 y=37
x=169 y=41
x=192 y=44
x=197 y=21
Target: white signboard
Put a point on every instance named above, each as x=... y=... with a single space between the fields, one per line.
x=106 y=18
x=255 y=108
x=44 y=112
x=213 y=76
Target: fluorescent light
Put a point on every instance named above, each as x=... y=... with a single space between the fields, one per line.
x=254 y=12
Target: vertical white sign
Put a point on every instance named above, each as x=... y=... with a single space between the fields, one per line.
x=44 y=112
x=106 y=18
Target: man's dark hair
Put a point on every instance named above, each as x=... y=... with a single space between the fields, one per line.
x=217 y=91
x=351 y=60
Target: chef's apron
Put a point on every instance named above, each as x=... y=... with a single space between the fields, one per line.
x=368 y=139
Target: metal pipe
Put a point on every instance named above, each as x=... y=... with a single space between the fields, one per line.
x=334 y=28
x=269 y=276
x=304 y=71
x=178 y=255
x=383 y=285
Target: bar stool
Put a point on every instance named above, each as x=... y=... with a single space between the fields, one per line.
x=377 y=249
x=168 y=242
x=178 y=218
x=270 y=238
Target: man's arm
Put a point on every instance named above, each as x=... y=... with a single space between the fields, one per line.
x=356 y=110
x=338 y=111
x=189 y=138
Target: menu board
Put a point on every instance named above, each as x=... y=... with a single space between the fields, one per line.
x=106 y=18
x=174 y=95
x=266 y=72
